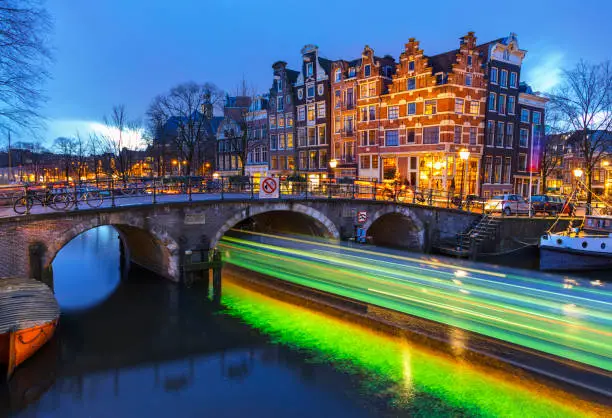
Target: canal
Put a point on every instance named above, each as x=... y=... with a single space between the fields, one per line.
x=140 y=346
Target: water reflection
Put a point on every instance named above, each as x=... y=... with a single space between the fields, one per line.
x=86 y=271
x=149 y=348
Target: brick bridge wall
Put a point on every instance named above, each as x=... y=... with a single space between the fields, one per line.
x=157 y=236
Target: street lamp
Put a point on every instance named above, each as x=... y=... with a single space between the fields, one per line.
x=578 y=173
x=333 y=163
x=464 y=154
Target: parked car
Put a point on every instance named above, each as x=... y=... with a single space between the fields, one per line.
x=508 y=204
x=551 y=205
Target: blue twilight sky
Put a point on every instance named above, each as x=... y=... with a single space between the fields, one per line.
x=127 y=51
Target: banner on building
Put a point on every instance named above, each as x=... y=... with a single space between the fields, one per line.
x=537 y=149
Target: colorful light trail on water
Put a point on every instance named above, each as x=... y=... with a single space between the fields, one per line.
x=415 y=380
x=529 y=310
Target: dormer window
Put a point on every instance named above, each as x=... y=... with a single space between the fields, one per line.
x=338 y=75
x=309 y=69
x=352 y=72
x=367 y=70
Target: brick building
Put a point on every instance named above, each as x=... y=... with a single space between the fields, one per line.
x=313 y=114
x=416 y=116
x=229 y=132
x=502 y=65
x=344 y=89
x=531 y=111
x=281 y=116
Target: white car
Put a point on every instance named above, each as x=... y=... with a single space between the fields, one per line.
x=508 y=204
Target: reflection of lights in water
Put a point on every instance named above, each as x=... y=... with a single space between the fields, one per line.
x=457 y=282
x=596 y=283
x=413 y=376
x=460 y=273
x=458 y=339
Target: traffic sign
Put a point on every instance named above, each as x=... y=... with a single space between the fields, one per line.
x=362 y=216
x=268 y=188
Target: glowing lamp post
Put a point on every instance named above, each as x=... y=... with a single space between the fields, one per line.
x=578 y=173
x=464 y=154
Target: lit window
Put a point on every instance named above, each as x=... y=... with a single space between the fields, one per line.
x=474 y=107
x=431 y=107
x=459 y=105
x=311 y=113
x=393 y=112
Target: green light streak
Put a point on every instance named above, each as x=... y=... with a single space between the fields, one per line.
x=418 y=382
x=550 y=323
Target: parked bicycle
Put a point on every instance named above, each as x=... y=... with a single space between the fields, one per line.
x=54 y=200
x=90 y=195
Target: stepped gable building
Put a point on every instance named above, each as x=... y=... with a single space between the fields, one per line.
x=502 y=60
x=433 y=109
x=313 y=114
x=281 y=116
x=374 y=79
x=531 y=111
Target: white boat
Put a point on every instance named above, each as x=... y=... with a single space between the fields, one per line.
x=588 y=247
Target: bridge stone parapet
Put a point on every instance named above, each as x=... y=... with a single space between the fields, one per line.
x=156 y=237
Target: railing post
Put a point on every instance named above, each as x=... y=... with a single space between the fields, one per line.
x=329 y=189
x=112 y=190
x=354 y=187
x=414 y=192
x=154 y=191
x=307 y=184
x=189 y=187
x=76 y=196
x=222 y=187
x=374 y=190
x=430 y=197
x=252 y=181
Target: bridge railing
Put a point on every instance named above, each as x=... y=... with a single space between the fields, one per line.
x=111 y=192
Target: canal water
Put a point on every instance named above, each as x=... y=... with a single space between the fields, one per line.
x=140 y=346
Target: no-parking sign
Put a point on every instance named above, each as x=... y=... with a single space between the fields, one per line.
x=268 y=188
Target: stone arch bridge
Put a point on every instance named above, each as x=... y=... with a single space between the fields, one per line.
x=159 y=237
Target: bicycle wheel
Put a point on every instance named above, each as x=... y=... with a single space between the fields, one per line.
x=61 y=201
x=22 y=205
x=94 y=199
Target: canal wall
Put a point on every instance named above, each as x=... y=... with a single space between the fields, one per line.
x=516 y=233
x=457 y=344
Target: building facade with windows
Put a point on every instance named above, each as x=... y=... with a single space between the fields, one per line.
x=313 y=116
x=344 y=90
x=531 y=111
x=281 y=120
x=500 y=162
x=229 y=134
x=432 y=110
x=257 y=138
x=374 y=78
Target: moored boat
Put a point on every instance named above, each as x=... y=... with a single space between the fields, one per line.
x=29 y=314
x=588 y=247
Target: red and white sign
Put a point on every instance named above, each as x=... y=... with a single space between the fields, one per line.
x=362 y=216
x=268 y=188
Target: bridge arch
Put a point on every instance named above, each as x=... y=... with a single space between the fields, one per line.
x=329 y=227
x=150 y=248
x=398 y=226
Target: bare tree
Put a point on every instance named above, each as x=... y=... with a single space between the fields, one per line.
x=80 y=155
x=552 y=157
x=188 y=110
x=583 y=106
x=116 y=140
x=65 y=147
x=95 y=147
x=24 y=56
